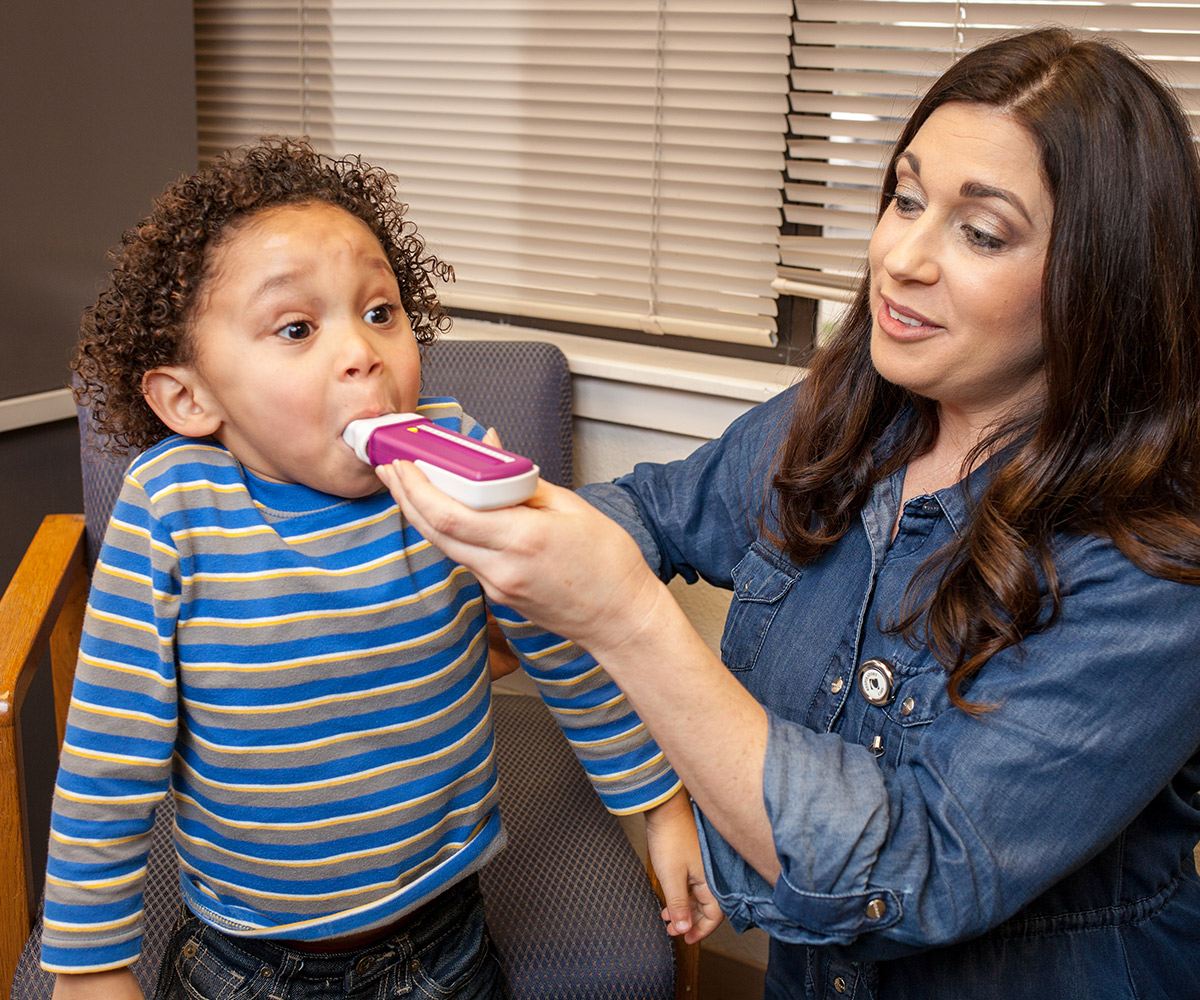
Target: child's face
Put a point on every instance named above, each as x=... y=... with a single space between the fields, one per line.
x=300 y=331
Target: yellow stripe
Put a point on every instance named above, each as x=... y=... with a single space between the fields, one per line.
x=223 y=532
x=62 y=838
x=332 y=821
x=545 y=677
x=130 y=623
x=630 y=810
x=548 y=650
x=348 y=779
x=607 y=741
x=311 y=571
x=196 y=486
x=113 y=758
x=343 y=737
x=113 y=713
x=106 y=883
x=363 y=522
x=310 y=703
x=302 y=616
x=106 y=799
x=621 y=775
x=398 y=881
x=109 y=925
x=199 y=842
x=338 y=657
x=125 y=668
x=189 y=445
x=615 y=700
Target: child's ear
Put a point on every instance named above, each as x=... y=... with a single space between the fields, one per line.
x=178 y=398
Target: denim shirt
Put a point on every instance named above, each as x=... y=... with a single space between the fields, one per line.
x=1041 y=849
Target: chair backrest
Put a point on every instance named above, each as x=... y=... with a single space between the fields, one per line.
x=521 y=388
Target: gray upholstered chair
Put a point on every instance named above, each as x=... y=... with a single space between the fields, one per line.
x=569 y=903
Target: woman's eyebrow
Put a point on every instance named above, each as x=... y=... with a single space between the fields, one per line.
x=974 y=189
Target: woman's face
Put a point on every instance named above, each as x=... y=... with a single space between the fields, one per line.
x=956 y=266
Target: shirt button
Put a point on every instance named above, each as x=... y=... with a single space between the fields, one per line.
x=907 y=706
x=836 y=686
x=839 y=984
x=876 y=681
x=876 y=908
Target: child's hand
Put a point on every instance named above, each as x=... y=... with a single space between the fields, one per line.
x=674 y=847
x=118 y=984
x=501 y=659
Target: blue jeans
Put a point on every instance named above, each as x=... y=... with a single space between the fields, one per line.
x=445 y=953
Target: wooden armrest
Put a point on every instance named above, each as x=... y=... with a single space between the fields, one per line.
x=42 y=608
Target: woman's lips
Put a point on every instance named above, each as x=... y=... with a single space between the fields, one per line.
x=901 y=323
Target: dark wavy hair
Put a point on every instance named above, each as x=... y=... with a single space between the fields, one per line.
x=141 y=319
x=1113 y=450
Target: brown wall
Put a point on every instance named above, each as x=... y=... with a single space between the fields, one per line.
x=97 y=113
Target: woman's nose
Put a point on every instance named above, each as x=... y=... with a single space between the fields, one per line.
x=913 y=256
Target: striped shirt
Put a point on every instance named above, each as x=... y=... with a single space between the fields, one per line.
x=307 y=676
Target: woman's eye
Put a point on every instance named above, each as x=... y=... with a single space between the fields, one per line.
x=379 y=315
x=982 y=239
x=296 y=331
x=905 y=205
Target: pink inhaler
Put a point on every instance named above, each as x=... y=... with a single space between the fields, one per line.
x=474 y=473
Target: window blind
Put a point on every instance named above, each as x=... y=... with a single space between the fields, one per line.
x=858 y=70
x=615 y=162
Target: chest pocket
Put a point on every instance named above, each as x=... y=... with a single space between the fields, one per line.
x=920 y=698
x=759 y=587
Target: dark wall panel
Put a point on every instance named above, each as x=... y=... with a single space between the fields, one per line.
x=97 y=114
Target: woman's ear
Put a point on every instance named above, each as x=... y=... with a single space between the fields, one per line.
x=177 y=396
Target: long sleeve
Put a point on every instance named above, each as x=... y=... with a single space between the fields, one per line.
x=912 y=824
x=116 y=756
x=624 y=764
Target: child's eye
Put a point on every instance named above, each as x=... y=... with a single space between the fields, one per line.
x=299 y=330
x=379 y=315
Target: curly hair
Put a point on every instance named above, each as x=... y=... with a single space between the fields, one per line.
x=142 y=317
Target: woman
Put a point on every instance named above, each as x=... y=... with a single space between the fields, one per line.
x=952 y=748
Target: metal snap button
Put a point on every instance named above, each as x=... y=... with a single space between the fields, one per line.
x=189 y=950
x=907 y=706
x=266 y=973
x=839 y=984
x=876 y=908
x=364 y=964
x=876 y=681
x=836 y=686
x=414 y=966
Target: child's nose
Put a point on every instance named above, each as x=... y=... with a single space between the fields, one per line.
x=360 y=357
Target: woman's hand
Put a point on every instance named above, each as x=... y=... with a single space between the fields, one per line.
x=566 y=566
x=555 y=559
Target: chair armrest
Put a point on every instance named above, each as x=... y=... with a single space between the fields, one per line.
x=42 y=608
